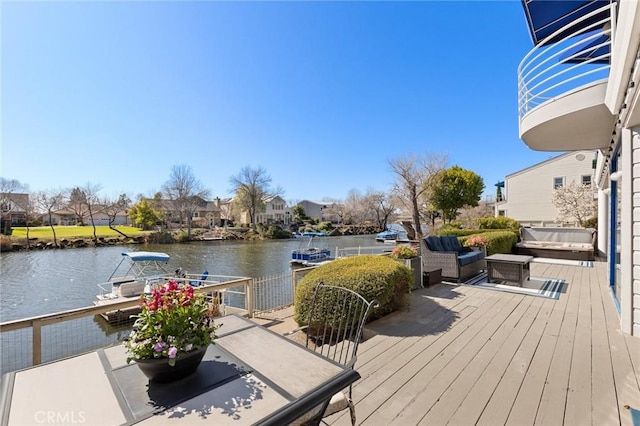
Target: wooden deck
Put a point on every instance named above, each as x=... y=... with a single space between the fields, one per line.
x=463 y=355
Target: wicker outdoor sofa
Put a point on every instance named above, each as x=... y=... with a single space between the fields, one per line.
x=559 y=243
x=445 y=252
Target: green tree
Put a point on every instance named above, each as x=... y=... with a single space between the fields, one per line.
x=143 y=214
x=455 y=188
x=299 y=214
x=77 y=203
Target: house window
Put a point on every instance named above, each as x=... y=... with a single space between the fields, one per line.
x=558 y=182
x=586 y=180
x=501 y=213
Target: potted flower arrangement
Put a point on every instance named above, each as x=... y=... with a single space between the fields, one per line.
x=475 y=241
x=404 y=252
x=409 y=256
x=171 y=334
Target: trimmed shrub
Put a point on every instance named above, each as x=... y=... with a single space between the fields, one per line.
x=162 y=237
x=497 y=222
x=373 y=277
x=497 y=241
x=325 y=227
x=456 y=232
x=275 y=232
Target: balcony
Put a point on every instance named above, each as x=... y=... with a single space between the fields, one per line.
x=562 y=84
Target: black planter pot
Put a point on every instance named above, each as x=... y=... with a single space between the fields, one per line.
x=159 y=371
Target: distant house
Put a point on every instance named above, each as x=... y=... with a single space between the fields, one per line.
x=68 y=217
x=527 y=194
x=226 y=211
x=315 y=209
x=13 y=207
x=207 y=214
x=275 y=212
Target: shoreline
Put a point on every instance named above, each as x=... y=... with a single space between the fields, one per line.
x=13 y=244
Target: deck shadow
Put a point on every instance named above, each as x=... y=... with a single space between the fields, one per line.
x=424 y=316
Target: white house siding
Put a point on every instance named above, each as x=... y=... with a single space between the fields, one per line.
x=312 y=208
x=635 y=273
x=528 y=193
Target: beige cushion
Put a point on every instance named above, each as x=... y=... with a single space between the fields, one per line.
x=135 y=288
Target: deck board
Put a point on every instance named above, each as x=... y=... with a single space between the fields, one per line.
x=507 y=333
x=579 y=394
x=463 y=355
x=426 y=389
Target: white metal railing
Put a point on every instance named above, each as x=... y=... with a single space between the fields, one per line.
x=44 y=338
x=32 y=341
x=548 y=70
x=356 y=251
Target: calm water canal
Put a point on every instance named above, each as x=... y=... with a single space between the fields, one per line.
x=42 y=282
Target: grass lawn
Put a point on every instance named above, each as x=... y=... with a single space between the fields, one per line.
x=44 y=232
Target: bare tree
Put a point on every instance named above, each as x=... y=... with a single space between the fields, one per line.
x=186 y=193
x=251 y=186
x=50 y=201
x=114 y=206
x=574 y=201
x=90 y=195
x=354 y=208
x=338 y=211
x=379 y=205
x=414 y=174
x=30 y=212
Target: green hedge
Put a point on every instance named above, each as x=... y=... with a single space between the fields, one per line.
x=498 y=241
x=373 y=277
x=497 y=222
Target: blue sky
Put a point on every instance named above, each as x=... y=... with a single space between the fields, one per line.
x=319 y=94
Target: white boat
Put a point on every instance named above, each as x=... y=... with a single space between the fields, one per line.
x=310 y=255
x=137 y=273
x=394 y=233
x=387 y=236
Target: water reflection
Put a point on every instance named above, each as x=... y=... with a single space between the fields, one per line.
x=42 y=282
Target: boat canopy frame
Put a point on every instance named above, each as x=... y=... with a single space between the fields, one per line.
x=143 y=263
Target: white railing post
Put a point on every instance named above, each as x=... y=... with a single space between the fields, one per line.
x=250 y=298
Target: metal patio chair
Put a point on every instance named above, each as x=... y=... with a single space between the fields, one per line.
x=337 y=316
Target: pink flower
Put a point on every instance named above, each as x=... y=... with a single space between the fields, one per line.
x=475 y=241
x=172 y=352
